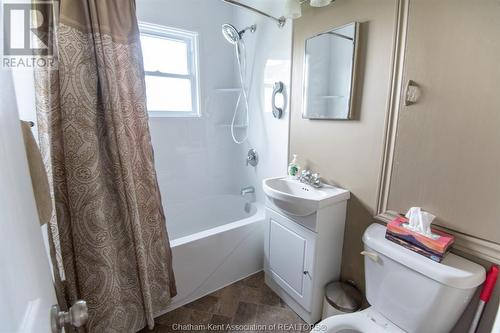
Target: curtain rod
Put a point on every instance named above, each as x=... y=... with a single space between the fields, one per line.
x=280 y=21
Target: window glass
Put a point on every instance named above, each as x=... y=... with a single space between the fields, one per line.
x=168 y=94
x=170 y=69
x=164 y=55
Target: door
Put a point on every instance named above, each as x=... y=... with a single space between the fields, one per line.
x=290 y=257
x=26 y=289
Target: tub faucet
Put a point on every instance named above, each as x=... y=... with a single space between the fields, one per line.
x=247 y=190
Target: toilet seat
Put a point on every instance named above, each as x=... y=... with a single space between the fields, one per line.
x=366 y=321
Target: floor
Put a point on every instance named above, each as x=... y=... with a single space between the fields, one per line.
x=245 y=306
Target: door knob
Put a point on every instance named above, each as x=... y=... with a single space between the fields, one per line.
x=76 y=316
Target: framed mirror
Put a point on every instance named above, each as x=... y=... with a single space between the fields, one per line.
x=329 y=67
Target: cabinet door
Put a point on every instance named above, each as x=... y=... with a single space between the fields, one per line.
x=290 y=257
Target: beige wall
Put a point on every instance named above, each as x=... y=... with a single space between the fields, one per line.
x=447 y=155
x=348 y=153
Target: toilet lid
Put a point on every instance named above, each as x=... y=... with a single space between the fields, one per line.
x=366 y=321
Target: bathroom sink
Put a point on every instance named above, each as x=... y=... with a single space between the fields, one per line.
x=299 y=199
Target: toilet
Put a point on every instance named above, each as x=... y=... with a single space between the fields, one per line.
x=407 y=291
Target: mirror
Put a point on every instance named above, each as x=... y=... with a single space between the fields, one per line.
x=329 y=64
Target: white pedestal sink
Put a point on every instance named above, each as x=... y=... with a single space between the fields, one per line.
x=298 y=199
x=304 y=239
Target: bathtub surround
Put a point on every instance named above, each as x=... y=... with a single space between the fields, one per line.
x=94 y=133
x=269 y=52
x=206 y=140
x=195 y=157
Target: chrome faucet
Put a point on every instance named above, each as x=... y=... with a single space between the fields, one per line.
x=247 y=190
x=307 y=177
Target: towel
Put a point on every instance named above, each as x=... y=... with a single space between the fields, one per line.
x=39 y=179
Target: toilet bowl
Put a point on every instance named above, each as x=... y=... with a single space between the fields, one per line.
x=366 y=321
x=407 y=291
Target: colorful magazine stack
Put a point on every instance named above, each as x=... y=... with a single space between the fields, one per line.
x=434 y=248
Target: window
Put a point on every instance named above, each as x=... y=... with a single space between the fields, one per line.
x=171 y=71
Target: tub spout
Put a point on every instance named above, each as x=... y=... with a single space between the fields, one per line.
x=247 y=190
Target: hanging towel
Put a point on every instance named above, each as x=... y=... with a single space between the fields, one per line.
x=39 y=178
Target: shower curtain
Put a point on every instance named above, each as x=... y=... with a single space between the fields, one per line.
x=108 y=240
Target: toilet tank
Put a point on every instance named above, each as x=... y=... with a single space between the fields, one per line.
x=414 y=292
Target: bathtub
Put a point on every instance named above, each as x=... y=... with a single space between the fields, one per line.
x=215 y=241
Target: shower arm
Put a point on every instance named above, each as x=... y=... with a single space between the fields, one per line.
x=280 y=21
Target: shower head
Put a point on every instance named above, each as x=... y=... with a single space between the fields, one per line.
x=232 y=34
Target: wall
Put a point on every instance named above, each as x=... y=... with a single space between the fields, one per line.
x=269 y=60
x=446 y=148
x=199 y=153
x=447 y=143
x=348 y=153
x=195 y=157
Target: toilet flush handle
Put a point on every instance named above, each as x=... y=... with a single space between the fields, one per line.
x=372 y=255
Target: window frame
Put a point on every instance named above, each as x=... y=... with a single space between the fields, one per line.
x=191 y=40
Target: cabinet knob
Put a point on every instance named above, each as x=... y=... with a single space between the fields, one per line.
x=307 y=273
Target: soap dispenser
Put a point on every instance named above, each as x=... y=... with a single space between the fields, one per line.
x=293 y=167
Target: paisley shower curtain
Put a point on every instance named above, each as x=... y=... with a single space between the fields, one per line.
x=108 y=240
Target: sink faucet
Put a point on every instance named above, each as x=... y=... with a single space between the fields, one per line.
x=307 y=177
x=247 y=190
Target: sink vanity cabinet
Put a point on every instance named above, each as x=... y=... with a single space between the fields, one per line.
x=303 y=242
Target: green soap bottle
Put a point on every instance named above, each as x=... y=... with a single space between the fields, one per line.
x=293 y=167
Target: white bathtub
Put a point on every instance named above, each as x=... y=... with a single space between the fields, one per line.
x=215 y=242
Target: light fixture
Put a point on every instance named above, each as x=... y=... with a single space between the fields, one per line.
x=320 y=3
x=292 y=9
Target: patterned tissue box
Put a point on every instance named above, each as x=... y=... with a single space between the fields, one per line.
x=434 y=248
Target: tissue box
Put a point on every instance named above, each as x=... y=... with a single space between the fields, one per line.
x=414 y=248
x=437 y=247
